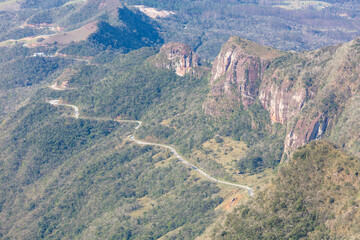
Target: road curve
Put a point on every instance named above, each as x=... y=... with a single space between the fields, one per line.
x=131 y=121
x=57 y=103
x=176 y=154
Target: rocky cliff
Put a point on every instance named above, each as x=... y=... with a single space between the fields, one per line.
x=305 y=92
x=236 y=75
x=177 y=56
x=283 y=100
x=328 y=80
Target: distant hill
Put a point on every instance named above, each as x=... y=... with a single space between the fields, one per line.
x=135 y=32
x=42 y=3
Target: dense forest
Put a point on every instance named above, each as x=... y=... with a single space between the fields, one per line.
x=85 y=154
x=68 y=178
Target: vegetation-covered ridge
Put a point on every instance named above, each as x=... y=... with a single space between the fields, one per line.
x=314 y=196
x=141 y=142
x=80 y=178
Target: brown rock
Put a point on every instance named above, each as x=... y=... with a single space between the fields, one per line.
x=177 y=56
x=283 y=102
x=236 y=75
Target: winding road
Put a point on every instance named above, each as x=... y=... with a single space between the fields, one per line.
x=176 y=154
x=57 y=103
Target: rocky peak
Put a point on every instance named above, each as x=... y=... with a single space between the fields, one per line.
x=177 y=56
x=236 y=75
x=306 y=92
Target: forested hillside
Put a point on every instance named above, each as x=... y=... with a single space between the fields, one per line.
x=204 y=25
x=286 y=25
x=112 y=127
x=315 y=196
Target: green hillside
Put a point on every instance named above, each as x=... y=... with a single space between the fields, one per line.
x=68 y=178
x=314 y=196
x=207 y=141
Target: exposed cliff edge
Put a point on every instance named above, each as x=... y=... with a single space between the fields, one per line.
x=176 y=56
x=236 y=75
x=305 y=92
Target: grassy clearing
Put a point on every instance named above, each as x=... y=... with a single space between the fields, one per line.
x=224 y=151
x=76 y=35
x=257 y=181
x=62 y=38
x=145 y=203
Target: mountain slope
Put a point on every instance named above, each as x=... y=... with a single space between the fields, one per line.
x=307 y=93
x=83 y=179
x=315 y=196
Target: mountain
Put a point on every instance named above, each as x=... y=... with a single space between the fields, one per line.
x=177 y=56
x=308 y=93
x=84 y=178
x=81 y=27
x=287 y=26
x=115 y=124
x=315 y=196
x=284 y=25
x=135 y=33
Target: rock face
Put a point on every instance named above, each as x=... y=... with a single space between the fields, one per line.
x=305 y=131
x=304 y=92
x=283 y=102
x=177 y=56
x=236 y=75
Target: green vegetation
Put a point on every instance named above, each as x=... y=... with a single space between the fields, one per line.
x=132 y=30
x=20 y=33
x=44 y=4
x=129 y=87
x=29 y=70
x=206 y=25
x=41 y=18
x=136 y=33
x=68 y=178
x=305 y=201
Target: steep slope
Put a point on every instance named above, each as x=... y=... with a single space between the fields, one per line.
x=312 y=91
x=305 y=92
x=81 y=178
x=177 y=56
x=237 y=74
x=135 y=32
x=314 y=196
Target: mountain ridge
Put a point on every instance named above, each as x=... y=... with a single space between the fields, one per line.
x=288 y=86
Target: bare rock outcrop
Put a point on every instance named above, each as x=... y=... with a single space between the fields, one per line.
x=305 y=92
x=236 y=75
x=177 y=56
x=283 y=102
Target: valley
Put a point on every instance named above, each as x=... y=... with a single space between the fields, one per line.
x=176 y=154
x=179 y=120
